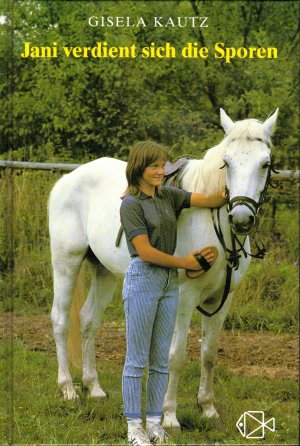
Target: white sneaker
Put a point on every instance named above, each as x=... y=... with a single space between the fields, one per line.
x=138 y=437
x=157 y=434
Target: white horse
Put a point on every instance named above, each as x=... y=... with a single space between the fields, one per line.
x=84 y=216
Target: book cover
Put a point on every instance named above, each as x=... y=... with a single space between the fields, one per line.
x=80 y=80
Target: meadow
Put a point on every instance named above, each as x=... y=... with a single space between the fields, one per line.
x=33 y=412
x=42 y=417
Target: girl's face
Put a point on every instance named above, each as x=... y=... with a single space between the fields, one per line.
x=154 y=174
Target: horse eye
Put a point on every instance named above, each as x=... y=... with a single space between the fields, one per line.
x=266 y=165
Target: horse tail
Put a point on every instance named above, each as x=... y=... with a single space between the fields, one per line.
x=74 y=337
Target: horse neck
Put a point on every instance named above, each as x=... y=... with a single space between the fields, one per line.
x=205 y=175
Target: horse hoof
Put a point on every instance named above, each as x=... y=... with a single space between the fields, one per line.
x=210 y=413
x=213 y=414
x=94 y=391
x=98 y=393
x=69 y=395
x=172 y=426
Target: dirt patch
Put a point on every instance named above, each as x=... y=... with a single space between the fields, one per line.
x=245 y=353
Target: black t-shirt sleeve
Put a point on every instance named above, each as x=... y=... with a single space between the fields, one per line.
x=132 y=217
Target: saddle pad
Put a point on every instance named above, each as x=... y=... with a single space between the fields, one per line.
x=172 y=168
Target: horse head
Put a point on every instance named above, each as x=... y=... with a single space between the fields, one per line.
x=248 y=163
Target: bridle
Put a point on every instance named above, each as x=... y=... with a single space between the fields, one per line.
x=234 y=253
x=253 y=205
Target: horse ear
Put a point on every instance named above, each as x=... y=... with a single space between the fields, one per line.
x=269 y=124
x=226 y=122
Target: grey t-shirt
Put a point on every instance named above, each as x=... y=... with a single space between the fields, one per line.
x=156 y=217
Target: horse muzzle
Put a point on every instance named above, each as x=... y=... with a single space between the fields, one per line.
x=241 y=220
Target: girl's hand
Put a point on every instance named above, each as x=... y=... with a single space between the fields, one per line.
x=193 y=264
x=190 y=262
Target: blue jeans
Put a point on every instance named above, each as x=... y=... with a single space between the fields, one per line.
x=150 y=295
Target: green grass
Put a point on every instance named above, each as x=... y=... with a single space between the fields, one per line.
x=32 y=269
x=41 y=415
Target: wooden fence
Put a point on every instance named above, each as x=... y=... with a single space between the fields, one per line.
x=282 y=175
x=59 y=167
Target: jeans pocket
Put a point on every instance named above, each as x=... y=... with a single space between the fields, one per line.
x=141 y=270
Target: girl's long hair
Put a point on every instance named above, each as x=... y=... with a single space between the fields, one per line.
x=141 y=155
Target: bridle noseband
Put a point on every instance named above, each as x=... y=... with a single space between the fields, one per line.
x=245 y=201
x=253 y=205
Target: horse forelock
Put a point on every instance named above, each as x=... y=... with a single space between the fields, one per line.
x=207 y=175
x=247 y=130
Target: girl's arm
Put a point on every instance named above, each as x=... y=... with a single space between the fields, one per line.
x=207 y=201
x=152 y=255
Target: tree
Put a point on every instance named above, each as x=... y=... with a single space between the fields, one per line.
x=72 y=109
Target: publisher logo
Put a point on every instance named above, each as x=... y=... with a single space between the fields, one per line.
x=252 y=424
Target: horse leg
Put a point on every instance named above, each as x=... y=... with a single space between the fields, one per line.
x=211 y=328
x=100 y=295
x=65 y=269
x=176 y=362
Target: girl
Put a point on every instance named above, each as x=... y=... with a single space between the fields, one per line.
x=149 y=215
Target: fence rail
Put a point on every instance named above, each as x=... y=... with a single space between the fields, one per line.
x=282 y=175
x=38 y=166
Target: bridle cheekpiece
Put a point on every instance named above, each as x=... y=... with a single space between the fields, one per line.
x=244 y=200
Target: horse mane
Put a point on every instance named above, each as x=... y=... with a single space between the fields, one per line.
x=206 y=175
